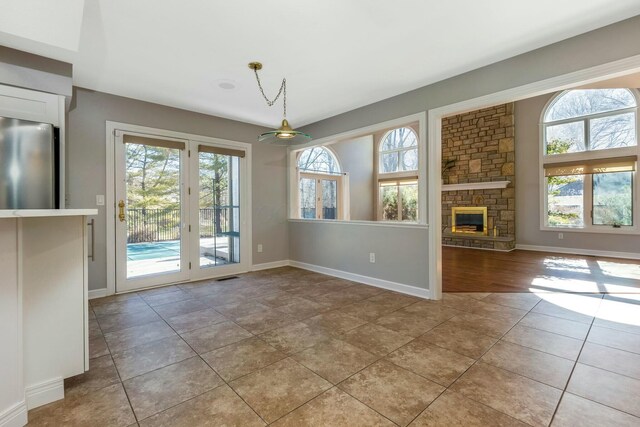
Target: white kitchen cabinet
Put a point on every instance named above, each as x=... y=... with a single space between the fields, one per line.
x=43 y=307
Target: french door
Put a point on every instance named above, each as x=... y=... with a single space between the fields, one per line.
x=319 y=196
x=181 y=210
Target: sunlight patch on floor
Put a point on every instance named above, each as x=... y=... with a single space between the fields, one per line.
x=616 y=269
x=567 y=264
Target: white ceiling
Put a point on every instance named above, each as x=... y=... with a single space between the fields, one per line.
x=337 y=55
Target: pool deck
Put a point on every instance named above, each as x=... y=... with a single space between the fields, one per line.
x=164 y=257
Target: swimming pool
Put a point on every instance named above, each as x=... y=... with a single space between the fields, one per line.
x=153 y=250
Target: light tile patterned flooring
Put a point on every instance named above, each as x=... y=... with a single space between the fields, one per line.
x=290 y=347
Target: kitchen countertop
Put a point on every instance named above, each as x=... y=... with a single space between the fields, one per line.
x=34 y=213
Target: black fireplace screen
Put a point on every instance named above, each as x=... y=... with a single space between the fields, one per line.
x=469 y=222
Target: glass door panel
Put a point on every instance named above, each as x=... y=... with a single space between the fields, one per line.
x=219 y=209
x=329 y=199
x=153 y=210
x=308 y=198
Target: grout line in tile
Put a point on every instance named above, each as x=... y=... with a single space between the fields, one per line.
x=478 y=360
x=564 y=390
x=216 y=372
x=135 y=416
x=382 y=357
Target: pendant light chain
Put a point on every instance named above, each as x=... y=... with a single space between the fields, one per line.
x=283 y=90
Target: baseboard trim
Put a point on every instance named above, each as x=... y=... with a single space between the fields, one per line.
x=372 y=281
x=270 y=265
x=479 y=249
x=15 y=416
x=576 y=251
x=44 y=392
x=97 y=293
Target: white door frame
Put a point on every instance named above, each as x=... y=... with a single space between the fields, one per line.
x=110 y=202
x=565 y=81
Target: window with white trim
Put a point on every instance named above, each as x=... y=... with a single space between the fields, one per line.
x=398 y=175
x=590 y=151
x=320 y=184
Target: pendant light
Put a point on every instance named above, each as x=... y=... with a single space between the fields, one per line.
x=285 y=134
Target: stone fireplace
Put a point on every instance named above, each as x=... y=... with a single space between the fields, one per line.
x=478 y=177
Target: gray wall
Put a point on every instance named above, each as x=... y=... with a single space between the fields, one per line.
x=356 y=158
x=346 y=247
x=527 y=119
x=607 y=44
x=86 y=166
x=34 y=72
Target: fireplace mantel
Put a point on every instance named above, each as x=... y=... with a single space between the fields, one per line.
x=475 y=186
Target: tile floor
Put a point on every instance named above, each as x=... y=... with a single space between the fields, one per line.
x=290 y=347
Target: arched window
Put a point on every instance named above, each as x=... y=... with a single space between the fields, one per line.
x=320 y=184
x=318 y=160
x=399 y=151
x=398 y=175
x=590 y=150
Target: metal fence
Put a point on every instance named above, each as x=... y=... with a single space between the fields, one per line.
x=157 y=225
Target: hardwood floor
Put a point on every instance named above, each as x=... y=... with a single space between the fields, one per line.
x=472 y=270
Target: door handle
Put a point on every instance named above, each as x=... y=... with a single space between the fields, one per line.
x=121 y=214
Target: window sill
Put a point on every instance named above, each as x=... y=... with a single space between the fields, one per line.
x=368 y=223
x=596 y=230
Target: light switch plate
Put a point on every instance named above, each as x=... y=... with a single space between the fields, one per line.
x=100 y=200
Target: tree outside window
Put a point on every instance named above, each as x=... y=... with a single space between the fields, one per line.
x=577 y=124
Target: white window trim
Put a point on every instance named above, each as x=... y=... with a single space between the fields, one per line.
x=420 y=118
x=588 y=226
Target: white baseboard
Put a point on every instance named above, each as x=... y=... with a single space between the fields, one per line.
x=44 y=392
x=15 y=416
x=97 y=293
x=372 y=281
x=479 y=249
x=270 y=265
x=576 y=251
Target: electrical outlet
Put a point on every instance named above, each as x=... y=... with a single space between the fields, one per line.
x=372 y=257
x=100 y=200
x=560 y=236
x=259 y=247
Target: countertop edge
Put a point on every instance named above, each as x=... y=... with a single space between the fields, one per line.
x=33 y=213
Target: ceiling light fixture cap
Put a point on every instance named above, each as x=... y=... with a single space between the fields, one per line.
x=255 y=65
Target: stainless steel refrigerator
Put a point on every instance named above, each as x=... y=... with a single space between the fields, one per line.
x=28 y=165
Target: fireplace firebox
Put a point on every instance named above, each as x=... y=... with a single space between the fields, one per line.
x=469 y=220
